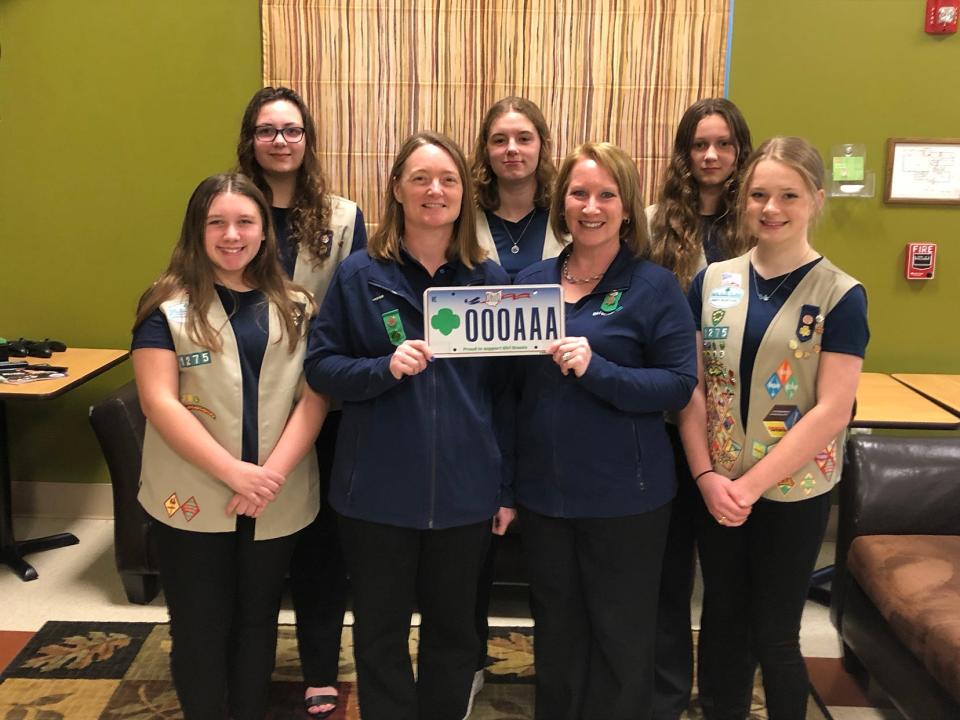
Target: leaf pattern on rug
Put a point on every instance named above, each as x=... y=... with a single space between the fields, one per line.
x=22 y=711
x=513 y=654
x=163 y=705
x=78 y=651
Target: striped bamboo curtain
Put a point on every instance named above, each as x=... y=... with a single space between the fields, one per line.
x=374 y=71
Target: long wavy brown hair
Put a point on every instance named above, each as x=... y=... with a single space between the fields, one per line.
x=385 y=243
x=191 y=272
x=485 y=180
x=310 y=211
x=675 y=229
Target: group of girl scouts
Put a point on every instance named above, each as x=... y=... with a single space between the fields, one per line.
x=298 y=422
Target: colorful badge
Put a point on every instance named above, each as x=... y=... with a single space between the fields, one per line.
x=192 y=403
x=759 y=450
x=725 y=296
x=780 y=419
x=731 y=278
x=171 y=504
x=394 y=325
x=611 y=301
x=190 y=360
x=716 y=316
x=827 y=459
x=717 y=332
x=808 y=483
x=190 y=508
x=784 y=371
x=773 y=386
x=790 y=388
x=785 y=485
x=807 y=322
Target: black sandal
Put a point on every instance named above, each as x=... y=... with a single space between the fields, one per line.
x=318 y=700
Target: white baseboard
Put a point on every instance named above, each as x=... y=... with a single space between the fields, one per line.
x=62 y=500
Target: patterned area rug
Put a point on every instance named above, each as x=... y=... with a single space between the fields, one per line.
x=120 y=671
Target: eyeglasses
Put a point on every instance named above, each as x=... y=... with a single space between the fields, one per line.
x=268 y=133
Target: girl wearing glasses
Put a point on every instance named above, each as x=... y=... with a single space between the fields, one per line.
x=316 y=230
x=228 y=469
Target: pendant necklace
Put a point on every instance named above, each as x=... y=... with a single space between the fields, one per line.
x=515 y=242
x=765 y=297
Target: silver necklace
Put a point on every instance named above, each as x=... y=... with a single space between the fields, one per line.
x=575 y=280
x=516 y=242
x=756 y=284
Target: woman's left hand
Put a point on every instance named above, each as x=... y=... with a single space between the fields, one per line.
x=571 y=353
x=502 y=520
x=241 y=506
x=743 y=494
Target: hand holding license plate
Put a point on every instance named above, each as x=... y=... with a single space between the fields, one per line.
x=492 y=320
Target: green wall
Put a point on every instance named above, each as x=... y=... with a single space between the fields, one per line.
x=111 y=112
x=837 y=71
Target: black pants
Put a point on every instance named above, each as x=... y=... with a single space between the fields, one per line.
x=673 y=681
x=223 y=592
x=392 y=571
x=594 y=585
x=755 y=581
x=318 y=578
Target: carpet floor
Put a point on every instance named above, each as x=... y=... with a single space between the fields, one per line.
x=120 y=671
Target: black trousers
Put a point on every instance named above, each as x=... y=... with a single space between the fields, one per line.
x=223 y=592
x=394 y=570
x=756 y=578
x=673 y=680
x=594 y=584
x=318 y=578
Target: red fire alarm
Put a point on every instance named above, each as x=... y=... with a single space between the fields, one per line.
x=941 y=16
x=921 y=261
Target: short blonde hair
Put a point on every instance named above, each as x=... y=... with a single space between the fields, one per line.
x=633 y=231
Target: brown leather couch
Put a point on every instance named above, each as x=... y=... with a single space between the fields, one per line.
x=119 y=425
x=896 y=592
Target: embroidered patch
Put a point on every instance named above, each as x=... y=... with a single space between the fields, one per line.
x=394 y=325
x=786 y=485
x=718 y=332
x=190 y=508
x=791 y=388
x=808 y=483
x=716 y=316
x=780 y=419
x=784 y=371
x=194 y=359
x=726 y=296
x=805 y=324
x=773 y=385
x=759 y=450
x=192 y=403
x=611 y=301
x=827 y=459
x=171 y=504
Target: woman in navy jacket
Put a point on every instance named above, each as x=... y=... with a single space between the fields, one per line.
x=594 y=468
x=417 y=471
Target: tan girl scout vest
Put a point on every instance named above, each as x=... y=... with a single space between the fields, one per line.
x=181 y=495
x=551 y=246
x=314 y=275
x=783 y=386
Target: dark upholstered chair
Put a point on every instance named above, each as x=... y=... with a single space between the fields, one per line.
x=119 y=424
x=896 y=593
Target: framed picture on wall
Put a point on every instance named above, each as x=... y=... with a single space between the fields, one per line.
x=923 y=170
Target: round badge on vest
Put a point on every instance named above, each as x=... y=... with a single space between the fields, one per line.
x=726 y=296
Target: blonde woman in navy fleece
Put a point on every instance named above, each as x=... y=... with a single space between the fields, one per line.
x=595 y=475
x=419 y=478
x=229 y=472
x=316 y=230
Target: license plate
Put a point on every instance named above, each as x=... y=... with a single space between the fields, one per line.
x=492 y=320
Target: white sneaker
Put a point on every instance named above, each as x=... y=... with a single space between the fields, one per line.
x=476 y=687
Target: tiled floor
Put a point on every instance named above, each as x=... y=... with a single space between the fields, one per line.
x=80 y=583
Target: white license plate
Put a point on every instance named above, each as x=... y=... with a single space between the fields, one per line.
x=488 y=320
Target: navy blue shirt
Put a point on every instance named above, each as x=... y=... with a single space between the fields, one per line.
x=249 y=319
x=844 y=328
x=528 y=234
x=708 y=231
x=288 y=250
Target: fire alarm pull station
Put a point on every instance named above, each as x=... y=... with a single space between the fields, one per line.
x=941 y=16
x=921 y=261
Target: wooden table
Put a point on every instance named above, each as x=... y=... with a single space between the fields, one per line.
x=942 y=389
x=83 y=364
x=882 y=402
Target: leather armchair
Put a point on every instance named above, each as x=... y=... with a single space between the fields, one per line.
x=905 y=488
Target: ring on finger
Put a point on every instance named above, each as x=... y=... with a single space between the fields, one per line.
x=722 y=519
x=565 y=357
